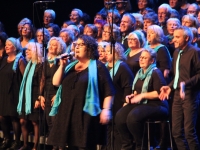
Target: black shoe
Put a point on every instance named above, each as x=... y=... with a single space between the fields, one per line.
x=5 y=144
x=15 y=146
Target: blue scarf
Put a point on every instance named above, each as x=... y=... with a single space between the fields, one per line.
x=91 y=106
x=146 y=77
x=52 y=61
x=159 y=46
x=127 y=51
x=116 y=67
x=17 y=58
x=27 y=79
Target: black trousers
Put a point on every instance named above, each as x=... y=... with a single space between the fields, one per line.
x=130 y=122
x=184 y=116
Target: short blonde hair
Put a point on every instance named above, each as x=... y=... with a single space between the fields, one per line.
x=36 y=52
x=158 y=31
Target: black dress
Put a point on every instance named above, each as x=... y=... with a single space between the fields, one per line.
x=49 y=91
x=9 y=88
x=72 y=125
x=122 y=81
x=133 y=62
x=163 y=60
x=34 y=116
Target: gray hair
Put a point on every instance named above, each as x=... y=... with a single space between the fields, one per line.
x=119 y=51
x=46 y=33
x=140 y=37
x=158 y=31
x=152 y=53
x=191 y=18
x=167 y=7
x=174 y=19
x=186 y=32
x=61 y=45
x=52 y=12
x=80 y=13
x=70 y=34
x=74 y=28
x=116 y=31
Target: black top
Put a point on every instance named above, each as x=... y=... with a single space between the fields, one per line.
x=49 y=89
x=189 y=67
x=122 y=81
x=155 y=83
x=163 y=60
x=133 y=62
x=34 y=95
x=9 y=88
x=72 y=125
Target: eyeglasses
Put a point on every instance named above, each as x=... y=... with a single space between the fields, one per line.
x=48 y=17
x=79 y=44
x=131 y=39
x=142 y=57
x=72 y=15
x=191 y=12
x=106 y=32
x=25 y=28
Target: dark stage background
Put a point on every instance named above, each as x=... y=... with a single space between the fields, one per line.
x=12 y=11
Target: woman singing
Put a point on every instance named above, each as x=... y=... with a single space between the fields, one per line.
x=84 y=98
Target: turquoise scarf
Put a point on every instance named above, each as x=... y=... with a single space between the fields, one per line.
x=146 y=77
x=127 y=52
x=159 y=46
x=52 y=61
x=27 y=80
x=116 y=67
x=17 y=58
x=91 y=106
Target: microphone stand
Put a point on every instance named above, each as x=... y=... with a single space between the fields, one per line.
x=44 y=44
x=112 y=47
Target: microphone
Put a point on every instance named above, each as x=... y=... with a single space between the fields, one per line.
x=65 y=55
x=37 y=2
x=112 y=2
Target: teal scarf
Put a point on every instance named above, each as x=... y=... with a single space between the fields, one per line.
x=177 y=70
x=17 y=58
x=27 y=80
x=146 y=77
x=127 y=52
x=92 y=94
x=52 y=61
x=159 y=46
x=116 y=67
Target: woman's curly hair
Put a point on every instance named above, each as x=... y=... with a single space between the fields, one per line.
x=91 y=45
